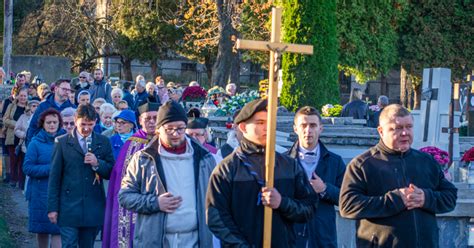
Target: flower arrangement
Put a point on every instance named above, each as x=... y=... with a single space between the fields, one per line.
x=215 y=90
x=194 y=94
x=237 y=102
x=441 y=156
x=468 y=155
x=330 y=110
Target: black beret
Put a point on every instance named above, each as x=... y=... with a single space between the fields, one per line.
x=250 y=109
x=169 y=112
x=198 y=123
x=148 y=107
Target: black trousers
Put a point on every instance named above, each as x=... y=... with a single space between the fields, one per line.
x=72 y=237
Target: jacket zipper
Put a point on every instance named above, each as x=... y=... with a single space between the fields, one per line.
x=415 y=223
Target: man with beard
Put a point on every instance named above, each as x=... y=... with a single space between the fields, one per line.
x=119 y=222
x=393 y=191
x=165 y=184
x=59 y=101
x=237 y=196
x=100 y=88
x=82 y=85
x=76 y=199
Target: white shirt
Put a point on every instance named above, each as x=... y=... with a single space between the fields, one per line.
x=309 y=162
x=81 y=139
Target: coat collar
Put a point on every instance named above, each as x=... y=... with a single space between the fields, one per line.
x=293 y=151
x=199 y=152
x=250 y=148
x=387 y=151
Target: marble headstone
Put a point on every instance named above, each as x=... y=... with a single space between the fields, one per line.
x=433 y=114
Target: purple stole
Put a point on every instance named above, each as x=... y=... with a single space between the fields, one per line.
x=119 y=223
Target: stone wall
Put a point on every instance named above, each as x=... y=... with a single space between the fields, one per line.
x=48 y=68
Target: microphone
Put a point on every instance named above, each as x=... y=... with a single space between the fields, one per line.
x=89 y=144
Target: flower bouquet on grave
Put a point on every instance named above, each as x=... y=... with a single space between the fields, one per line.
x=330 y=110
x=441 y=156
x=194 y=96
x=236 y=102
x=216 y=94
x=468 y=156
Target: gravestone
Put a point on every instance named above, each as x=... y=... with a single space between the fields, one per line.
x=433 y=114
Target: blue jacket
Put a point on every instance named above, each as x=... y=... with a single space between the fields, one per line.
x=101 y=89
x=49 y=102
x=117 y=144
x=139 y=99
x=127 y=96
x=37 y=166
x=321 y=230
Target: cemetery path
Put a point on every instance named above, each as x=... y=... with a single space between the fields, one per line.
x=14 y=210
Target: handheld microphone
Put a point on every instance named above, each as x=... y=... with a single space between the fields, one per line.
x=89 y=144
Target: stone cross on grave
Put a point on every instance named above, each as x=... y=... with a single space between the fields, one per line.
x=276 y=48
x=433 y=122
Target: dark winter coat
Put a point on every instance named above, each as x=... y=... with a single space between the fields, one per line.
x=234 y=210
x=370 y=194
x=72 y=192
x=101 y=89
x=321 y=230
x=37 y=166
x=356 y=109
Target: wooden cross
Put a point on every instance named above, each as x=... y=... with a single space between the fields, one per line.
x=276 y=48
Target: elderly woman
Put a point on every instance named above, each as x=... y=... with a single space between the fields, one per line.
x=43 y=91
x=175 y=94
x=117 y=96
x=37 y=165
x=10 y=117
x=125 y=125
x=67 y=115
x=24 y=122
x=106 y=111
x=150 y=89
x=97 y=103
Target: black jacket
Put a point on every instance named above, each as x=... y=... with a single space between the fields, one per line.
x=234 y=211
x=356 y=109
x=71 y=190
x=370 y=194
x=321 y=230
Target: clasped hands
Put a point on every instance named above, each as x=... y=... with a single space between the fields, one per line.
x=412 y=196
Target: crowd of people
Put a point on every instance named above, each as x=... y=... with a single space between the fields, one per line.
x=130 y=166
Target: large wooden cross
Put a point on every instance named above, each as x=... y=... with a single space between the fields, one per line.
x=276 y=48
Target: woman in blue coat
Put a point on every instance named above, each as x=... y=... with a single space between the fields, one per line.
x=37 y=165
x=125 y=125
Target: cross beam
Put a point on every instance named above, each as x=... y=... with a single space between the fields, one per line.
x=275 y=47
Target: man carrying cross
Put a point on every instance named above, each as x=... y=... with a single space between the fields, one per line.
x=237 y=196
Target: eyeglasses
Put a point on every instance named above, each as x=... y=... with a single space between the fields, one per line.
x=170 y=130
x=121 y=122
x=82 y=77
x=65 y=89
x=68 y=123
